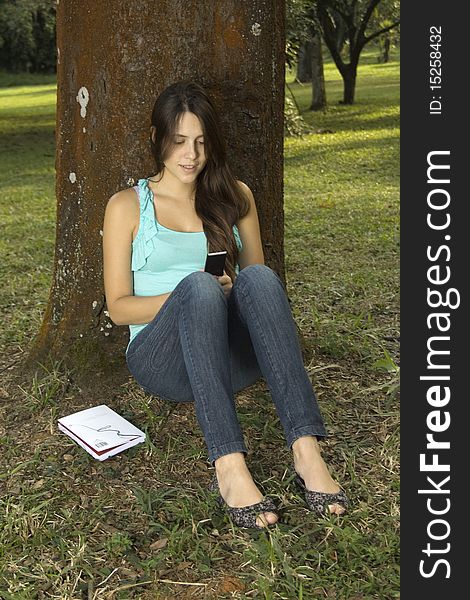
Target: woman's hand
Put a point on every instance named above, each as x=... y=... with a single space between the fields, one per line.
x=226 y=283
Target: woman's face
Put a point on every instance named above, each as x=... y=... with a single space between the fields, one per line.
x=187 y=158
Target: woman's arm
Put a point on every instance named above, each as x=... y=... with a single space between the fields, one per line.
x=121 y=222
x=252 y=251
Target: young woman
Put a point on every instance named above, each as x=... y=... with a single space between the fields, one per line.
x=201 y=338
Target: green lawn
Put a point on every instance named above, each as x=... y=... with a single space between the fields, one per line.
x=141 y=525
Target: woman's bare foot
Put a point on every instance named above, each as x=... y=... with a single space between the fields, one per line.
x=237 y=487
x=311 y=467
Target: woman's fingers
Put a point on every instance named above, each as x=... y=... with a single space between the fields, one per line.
x=226 y=282
x=224 y=279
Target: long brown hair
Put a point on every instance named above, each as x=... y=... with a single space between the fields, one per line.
x=219 y=201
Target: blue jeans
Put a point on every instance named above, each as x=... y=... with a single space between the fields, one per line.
x=204 y=347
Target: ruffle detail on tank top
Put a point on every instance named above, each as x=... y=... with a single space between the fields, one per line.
x=144 y=242
x=236 y=235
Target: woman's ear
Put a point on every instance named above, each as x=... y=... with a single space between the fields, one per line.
x=153 y=133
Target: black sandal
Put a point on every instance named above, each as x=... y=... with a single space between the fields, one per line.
x=318 y=502
x=245 y=516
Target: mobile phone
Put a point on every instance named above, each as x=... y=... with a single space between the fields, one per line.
x=215 y=263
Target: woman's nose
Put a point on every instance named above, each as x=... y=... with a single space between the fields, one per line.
x=191 y=150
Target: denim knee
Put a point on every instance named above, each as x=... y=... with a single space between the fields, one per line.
x=259 y=277
x=201 y=286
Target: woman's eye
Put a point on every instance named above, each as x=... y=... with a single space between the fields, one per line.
x=201 y=141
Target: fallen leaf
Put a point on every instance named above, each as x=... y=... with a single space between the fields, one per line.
x=231 y=584
x=159 y=544
x=129 y=573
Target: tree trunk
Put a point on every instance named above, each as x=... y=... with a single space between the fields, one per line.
x=113 y=60
x=341 y=31
x=318 y=76
x=349 y=74
x=304 y=63
x=385 y=48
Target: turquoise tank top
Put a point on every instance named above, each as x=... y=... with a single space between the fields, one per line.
x=162 y=257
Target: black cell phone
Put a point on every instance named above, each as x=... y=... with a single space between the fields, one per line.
x=215 y=263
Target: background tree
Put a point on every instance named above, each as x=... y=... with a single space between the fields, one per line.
x=114 y=58
x=304 y=63
x=352 y=18
x=305 y=50
x=383 y=16
x=27 y=35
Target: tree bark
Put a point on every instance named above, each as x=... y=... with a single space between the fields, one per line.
x=318 y=75
x=113 y=60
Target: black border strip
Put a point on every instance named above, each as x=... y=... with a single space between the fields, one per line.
x=434 y=272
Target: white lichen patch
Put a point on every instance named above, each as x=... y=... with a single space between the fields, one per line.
x=256 y=29
x=72 y=177
x=94 y=304
x=83 y=98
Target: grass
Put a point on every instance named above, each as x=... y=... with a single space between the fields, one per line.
x=141 y=524
x=27 y=181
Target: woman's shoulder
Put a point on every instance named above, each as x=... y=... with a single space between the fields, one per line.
x=244 y=188
x=125 y=202
x=122 y=212
x=247 y=193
